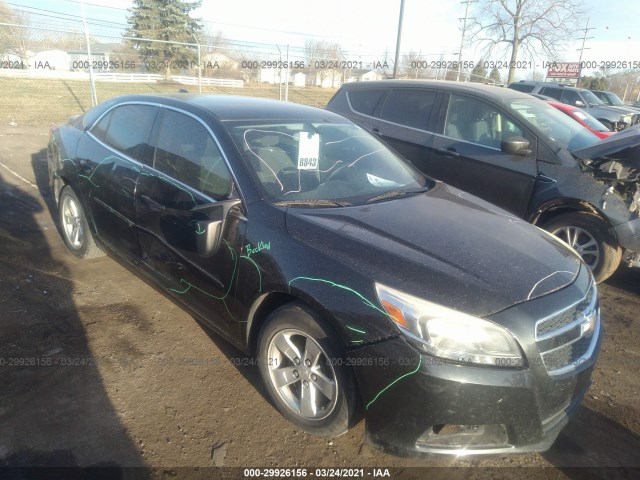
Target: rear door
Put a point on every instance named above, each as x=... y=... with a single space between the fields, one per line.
x=187 y=188
x=468 y=154
x=111 y=158
x=406 y=121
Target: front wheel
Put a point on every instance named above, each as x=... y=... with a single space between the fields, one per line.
x=590 y=236
x=74 y=227
x=303 y=369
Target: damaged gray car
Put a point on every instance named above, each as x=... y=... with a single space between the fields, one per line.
x=517 y=152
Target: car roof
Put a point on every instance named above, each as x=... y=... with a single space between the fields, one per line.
x=235 y=107
x=487 y=91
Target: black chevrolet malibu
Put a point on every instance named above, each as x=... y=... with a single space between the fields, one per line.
x=362 y=287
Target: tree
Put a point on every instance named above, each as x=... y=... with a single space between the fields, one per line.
x=413 y=65
x=593 y=83
x=321 y=56
x=534 y=26
x=479 y=72
x=14 y=40
x=169 y=21
x=495 y=75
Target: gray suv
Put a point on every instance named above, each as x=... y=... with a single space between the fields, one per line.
x=615 y=118
x=517 y=152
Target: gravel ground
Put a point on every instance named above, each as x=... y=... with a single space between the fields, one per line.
x=100 y=369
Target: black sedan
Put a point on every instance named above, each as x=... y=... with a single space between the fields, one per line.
x=362 y=287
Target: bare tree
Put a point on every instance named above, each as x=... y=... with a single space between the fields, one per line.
x=322 y=58
x=413 y=65
x=533 y=26
x=14 y=39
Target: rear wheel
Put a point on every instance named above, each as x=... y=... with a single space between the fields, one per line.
x=74 y=227
x=302 y=368
x=590 y=236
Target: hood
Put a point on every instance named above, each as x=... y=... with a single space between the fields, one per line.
x=623 y=147
x=445 y=246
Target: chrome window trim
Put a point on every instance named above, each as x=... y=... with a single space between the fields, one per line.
x=207 y=198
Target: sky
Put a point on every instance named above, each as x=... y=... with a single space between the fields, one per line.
x=366 y=29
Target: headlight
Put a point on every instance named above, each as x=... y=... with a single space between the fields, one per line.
x=624 y=122
x=447 y=333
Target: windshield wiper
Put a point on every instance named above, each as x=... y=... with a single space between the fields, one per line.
x=396 y=193
x=311 y=203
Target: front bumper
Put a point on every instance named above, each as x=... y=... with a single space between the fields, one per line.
x=421 y=405
x=628 y=234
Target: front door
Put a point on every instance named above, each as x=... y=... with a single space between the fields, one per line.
x=468 y=155
x=187 y=189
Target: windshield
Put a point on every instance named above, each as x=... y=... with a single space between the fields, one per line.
x=317 y=162
x=615 y=99
x=590 y=98
x=559 y=130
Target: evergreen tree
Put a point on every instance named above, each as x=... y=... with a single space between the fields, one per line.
x=495 y=75
x=479 y=72
x=166 y=20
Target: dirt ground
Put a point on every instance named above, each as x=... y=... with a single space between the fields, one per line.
x=97 y=368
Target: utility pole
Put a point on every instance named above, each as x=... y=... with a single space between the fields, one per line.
x=397 y=60
x=464 y=32
x=584 y=40
x=92 y=83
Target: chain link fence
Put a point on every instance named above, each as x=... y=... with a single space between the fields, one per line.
x=48 y=74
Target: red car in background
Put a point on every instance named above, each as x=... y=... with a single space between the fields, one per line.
x=584 y=118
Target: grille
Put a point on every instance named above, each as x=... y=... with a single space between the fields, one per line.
x=559 y=322
x=567 y=338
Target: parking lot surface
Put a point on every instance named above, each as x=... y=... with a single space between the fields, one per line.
x=99 y=368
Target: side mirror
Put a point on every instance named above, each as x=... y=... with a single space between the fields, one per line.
x=515 y=146
x=209 y=232
x=580 y=104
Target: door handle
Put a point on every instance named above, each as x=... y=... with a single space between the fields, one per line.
x=376 y=130
x=449 y=152
x=152 y=204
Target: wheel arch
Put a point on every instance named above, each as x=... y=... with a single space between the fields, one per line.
x=545 y=212
x=267 y=303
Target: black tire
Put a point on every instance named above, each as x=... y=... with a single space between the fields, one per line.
x=74 y=227
x=592 y=238
x=295 y=326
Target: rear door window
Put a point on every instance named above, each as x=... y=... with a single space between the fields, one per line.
x=552 y=92
x=366 y=101
x=411 y=108
x=129 y=131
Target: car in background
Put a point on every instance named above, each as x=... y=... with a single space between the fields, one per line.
x=515 y=151
x=614 y=118
x=361 y=286
x=583 y=118
x=613 y=100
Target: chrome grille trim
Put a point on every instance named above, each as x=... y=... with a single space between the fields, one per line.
x=591 y=296
x=576 y=362
x=583 y=318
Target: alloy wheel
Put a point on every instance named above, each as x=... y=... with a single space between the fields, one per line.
x=582 y=242
x=302 y=374
x=72 y=222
